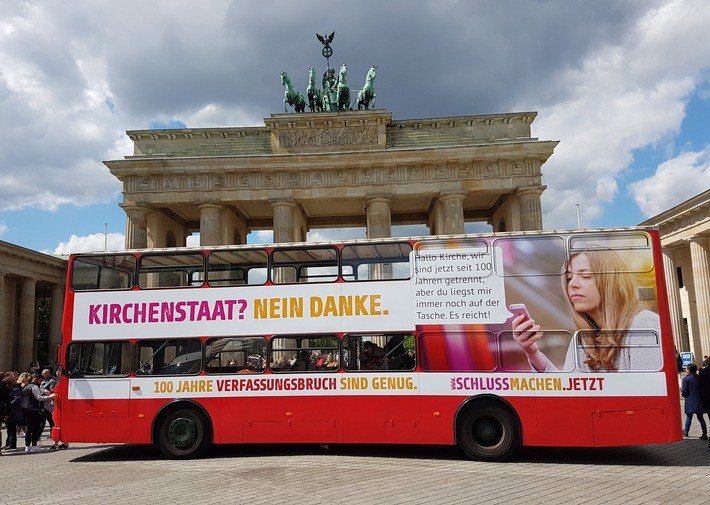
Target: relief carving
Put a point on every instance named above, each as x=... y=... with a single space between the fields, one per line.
x=361 y=135
x=517 y=168
x=197 y=182
x=219 y=182
x=491 y=169
x=144 y=184
x=169 y=184
x=243 y=180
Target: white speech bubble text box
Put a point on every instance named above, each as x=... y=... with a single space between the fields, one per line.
x=458 y=286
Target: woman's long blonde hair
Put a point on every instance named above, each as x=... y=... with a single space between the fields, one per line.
x=24 y=379
x=618 y=306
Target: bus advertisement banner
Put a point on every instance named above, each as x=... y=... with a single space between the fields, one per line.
x=464 y=295
x=243 y=310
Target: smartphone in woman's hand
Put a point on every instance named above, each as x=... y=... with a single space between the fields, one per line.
x=519 y=309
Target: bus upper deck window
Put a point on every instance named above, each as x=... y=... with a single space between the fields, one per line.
x=363 y=262
x=304 y=264
x=172 y=270
x=103 y=272
x=237 y=267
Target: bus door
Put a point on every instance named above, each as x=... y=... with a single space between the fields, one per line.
x=98 y=391
x=381 y=401
x=299 y=400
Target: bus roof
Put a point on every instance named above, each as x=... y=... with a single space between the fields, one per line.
x=422 y=238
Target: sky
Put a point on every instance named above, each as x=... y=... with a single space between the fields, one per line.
x=624 y=86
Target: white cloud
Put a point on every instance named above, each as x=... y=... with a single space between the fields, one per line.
x=261 y=237
x=326 y=234
x=675 y=181
x=192 y=240
x=94 y=242
x=3 y=229
x=621 y=98
x=211 y=115
x=59 y=125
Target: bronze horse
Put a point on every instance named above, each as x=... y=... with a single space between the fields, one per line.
x=367 y=93
x=292 y=96
x=315 y=96
x=343 y=89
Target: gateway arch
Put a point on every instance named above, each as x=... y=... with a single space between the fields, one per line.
x=306 y=171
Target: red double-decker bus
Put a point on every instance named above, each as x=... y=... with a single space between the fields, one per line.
x=557 y=338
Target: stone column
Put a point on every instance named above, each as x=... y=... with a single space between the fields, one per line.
x=26 y=324
x=136 y=226
x=674 y=304
x=6 y=321
x=701 y=284
x=283 y=220
x=55 y=321
x=530 y=208
x=379 y=218
x=379 y=225
x=452 y=213
x=210 y=224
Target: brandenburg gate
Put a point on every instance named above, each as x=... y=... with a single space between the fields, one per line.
x=327 y=169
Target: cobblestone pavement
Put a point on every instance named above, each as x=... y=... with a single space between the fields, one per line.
x=86 y=474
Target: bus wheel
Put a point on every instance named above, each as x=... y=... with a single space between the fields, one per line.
x=488 y=432
x=183 y=434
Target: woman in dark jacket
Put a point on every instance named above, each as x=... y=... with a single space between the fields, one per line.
x=15 y=417
x=690 y=390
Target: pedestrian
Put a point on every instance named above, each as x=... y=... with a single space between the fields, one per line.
x=32 y=405
x=704 y=391
x=47 y=387
x=690 y=390
x=678 y=361
x=706 y=361
x=23 y=380
x=15 y=415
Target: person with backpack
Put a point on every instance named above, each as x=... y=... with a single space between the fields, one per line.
x=32 y=405
x=14 y=416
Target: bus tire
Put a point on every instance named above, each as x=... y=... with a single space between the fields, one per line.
x=488 y=431
x=183 y=433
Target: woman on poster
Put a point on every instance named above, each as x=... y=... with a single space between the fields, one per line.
x=606 y=312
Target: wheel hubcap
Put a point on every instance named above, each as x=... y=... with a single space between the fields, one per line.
x=182 y=432
x=487 y=432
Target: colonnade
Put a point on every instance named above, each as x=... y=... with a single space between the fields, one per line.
x=26 y=279
x=290 y=224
